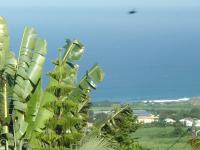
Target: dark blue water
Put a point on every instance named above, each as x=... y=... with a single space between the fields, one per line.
x=153 y=54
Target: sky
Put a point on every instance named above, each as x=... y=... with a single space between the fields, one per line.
x=103 y=3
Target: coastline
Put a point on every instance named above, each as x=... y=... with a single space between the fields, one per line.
x=167 y=100
x=145 y=100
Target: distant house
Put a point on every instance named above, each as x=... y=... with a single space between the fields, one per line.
x=145 y=117
x=197 y=123
x=169 y=120
x=187 y=122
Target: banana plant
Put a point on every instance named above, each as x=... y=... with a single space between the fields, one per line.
x=8 y=64
x=20 y=82
x=55 y=117
x=28 y=75
x=37 y=118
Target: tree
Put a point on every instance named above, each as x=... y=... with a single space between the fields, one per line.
x=120 y=126
x=26 y=107
x=20 y=84
x=55 y=117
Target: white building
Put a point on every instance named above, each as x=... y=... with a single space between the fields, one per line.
x=147 y=119
x=169 y=120
x=197 y=123
x=144 y=116
x=187 y=122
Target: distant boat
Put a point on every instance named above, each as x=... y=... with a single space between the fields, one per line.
x=132 y=12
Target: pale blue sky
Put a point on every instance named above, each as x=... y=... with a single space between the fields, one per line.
x=121 y=3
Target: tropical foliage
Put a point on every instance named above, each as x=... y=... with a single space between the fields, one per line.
x=120 y=126
x=55 y=117
x=26 y=107
x=22 y=113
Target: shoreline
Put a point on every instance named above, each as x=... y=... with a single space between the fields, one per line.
x=164 y=100
x=167 y=100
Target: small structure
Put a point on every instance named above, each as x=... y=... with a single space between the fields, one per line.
x=187 y=122
x=145 y=117
x=197 y=123
x=169 y=120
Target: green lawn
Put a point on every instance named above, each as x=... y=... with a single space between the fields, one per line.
x=181 y=106
x=177 y=107
x=157 y=138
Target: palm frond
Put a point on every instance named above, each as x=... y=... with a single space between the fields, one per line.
x=111 y=121
x=93 y=142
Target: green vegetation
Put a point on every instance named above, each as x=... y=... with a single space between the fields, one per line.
x=58 y=116
x=161 y=138
x=55 y=117
x=160 y=135
x=70 y=104
x=63 y=104
x=119 y=126
x=174 y=110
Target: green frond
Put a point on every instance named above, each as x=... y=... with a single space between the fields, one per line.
x=86 y=85
x=73 y=51
x=29 y=72
x=113 y=121
x=4 y=35
x=8 y=61
x=97 y=143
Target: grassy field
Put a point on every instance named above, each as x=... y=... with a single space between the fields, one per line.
x=180 y=106
x=160 y=138
x=157 y=138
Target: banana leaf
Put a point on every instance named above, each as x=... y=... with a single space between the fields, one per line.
x=86 y=85
x=29 y=71
x=73 y=51
x=4 y=35
x=37 y=114
x=8 y=61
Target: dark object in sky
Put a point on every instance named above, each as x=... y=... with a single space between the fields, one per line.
x=132 y=12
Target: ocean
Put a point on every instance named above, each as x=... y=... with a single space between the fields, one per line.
x=153 y=54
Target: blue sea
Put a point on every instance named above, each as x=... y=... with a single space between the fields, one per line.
x=153 y=54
